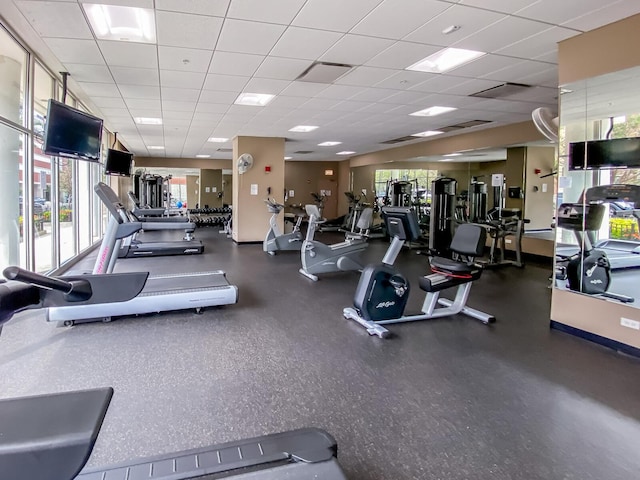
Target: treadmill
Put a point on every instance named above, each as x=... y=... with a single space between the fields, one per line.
x=137 y=293
x=51 y=436
x=621 y=253
x=130 y=247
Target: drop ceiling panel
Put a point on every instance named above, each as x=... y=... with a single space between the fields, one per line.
x=184 y=59
x=470 y=19
x=115 y=112
x=180 y=94
x=186 y=30
x=266 y=85
x=145 y=112
x=282 y=11
x=285 y=102
x=338 y=92
x=355 y=49
x=75 y=51
x=176 y=121
x=401 y=54
x=518 y=72
x=143 y=104
x=109 y=102
x=404 y=80
x=248 y=37
x=396 y=18
x=509 y=6
x=323 y=14
x=365 y=76
x=407 y=98
x=227 y=63
x=89 y=73
x=140 y=91
x=216 y=97
x=203 y=7
x=304 y=43
x=373 y=94
x=136 y=76
x=471 y=86
x=558 y=12
x=483 y=66
x=171 y=78
x=173 y=106
x=349 y=106
x=611 y=12
x=506 y=31
x=281 y=68
x=539 y=44
x=303 y=89
x=206 y=118
x=100 y=89
x=126 y=54
x=225 y=83
x=48 y=17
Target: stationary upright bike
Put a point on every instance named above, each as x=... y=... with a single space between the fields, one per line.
x=275 y=240
x=319 y=258
x=383 y=292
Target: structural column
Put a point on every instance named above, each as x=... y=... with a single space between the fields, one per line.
x=250 y=189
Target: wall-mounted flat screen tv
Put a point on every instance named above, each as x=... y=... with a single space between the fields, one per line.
x=596 y=154
x=71 y=133
x=118 y=163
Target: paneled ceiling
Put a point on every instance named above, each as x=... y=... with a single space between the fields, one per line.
x=209 y=51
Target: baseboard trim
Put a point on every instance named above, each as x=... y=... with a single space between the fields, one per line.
x=592 y=337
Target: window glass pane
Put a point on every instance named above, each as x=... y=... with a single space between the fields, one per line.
x=12 y=245
x=85 y=193
x=13 y=61
x=68 y=246
x=42 y=175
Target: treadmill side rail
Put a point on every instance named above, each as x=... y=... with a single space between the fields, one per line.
x=298 y=448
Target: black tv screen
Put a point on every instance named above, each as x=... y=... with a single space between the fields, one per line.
x=596 y=154
x=118 y=163
x=71 y=133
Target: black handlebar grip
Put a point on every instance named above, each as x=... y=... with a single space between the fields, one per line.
x=22 y=275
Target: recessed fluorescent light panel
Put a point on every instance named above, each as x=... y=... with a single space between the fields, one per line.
x=203 y=156
x=217 y=139
x=432 y=111
x=345 y=152
x=329 y=144
x=453 y=154
x=445 y=60
x=124 y=24
x=428 y=133
x=254 y=99
x=303 y=128
x=287 y=158
x=155 y=147
x=147 y=121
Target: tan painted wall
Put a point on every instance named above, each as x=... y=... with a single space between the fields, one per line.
x=193 y=189
x=538 y=205
x=211 y=163
x=227 y=186
x=306 y=177
x=250 y=215
x=514 y=174
x=598 y=52
x=344 y=181
x=603 y=50
x=211 y=179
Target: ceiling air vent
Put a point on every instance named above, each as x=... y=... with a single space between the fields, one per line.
x=505 y=90
x=225 y=150
x=399 y=140
x=324 y=72
x=303 y=152
x=460 y=126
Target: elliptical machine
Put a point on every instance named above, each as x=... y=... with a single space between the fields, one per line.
x=588 y=271
x=383 y=292
x=319 y=258
x=275 y=240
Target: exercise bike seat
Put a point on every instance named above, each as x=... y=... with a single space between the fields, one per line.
x=448 y=265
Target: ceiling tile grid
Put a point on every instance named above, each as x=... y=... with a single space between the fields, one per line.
x=209 y=51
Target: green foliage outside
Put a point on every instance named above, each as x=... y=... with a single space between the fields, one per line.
x=623 y=229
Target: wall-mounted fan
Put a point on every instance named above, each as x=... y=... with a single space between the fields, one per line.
x=546 y=121
x=245 y=162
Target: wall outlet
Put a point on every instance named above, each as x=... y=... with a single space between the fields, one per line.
x=544 y=188
x=627 y=322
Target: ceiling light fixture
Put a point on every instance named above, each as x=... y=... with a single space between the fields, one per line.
x=155 y=147
x=445 y=60
x=432 y=111
x=124 y=24
x=217 y=139
x=328 y=144
x=254 y=99
x=287 y=158
x=345 y=152
x=147 y=120
x=203 y=156
x=428 y=133
x=451 y=29
x=453 y=154
x=303 y=128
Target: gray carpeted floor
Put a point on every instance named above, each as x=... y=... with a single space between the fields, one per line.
x=445 y=399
